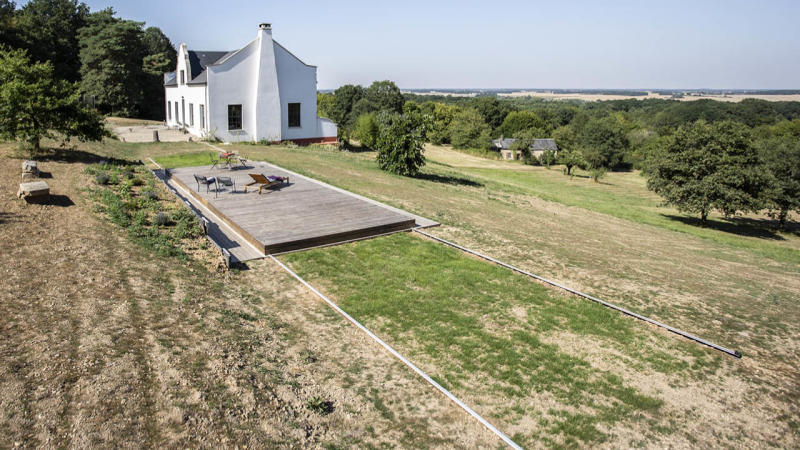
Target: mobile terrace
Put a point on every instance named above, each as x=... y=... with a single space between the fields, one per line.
x=299 y=214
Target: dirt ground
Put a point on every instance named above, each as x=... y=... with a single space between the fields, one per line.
x=103 y=343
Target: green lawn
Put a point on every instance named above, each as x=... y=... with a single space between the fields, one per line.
x=727 y=283
x=628 y=199
x=488 y=333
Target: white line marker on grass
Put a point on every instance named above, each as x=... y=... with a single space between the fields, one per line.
x=402 y=358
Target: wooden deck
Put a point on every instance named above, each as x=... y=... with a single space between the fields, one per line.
x=301 y=214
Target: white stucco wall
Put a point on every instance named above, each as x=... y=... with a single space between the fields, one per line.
x=233 y=82
x=264 y=78
x=185 y=95
x=298 y=84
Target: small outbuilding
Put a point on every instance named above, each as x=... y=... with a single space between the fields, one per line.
x=538 y=147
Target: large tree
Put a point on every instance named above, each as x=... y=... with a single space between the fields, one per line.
x=112 y=54
x=34 y=104
x=491 y=109
x=706 y=167
x=341 y=111
x=523 y=121
x=781 y=156
x=469 y=130
x=399 y=142
x=49 y=29
x=160 y=57
x=603 y=143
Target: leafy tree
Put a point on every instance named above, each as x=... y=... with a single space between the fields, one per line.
x=49 y=30
x=565 y=137
x=523 y=141
x=35 y=105
x=441 y=117
x=518 y=121
x=366 y=129
x=160 y=57
x=344 y=99
x=8 y=25
x=709 y=166
x=384 y=96
x=548 y=158
x=604 y=143
x=399 y=143
x=324 y=104
x=781 y=156
x=571 y=158
x=469 y=130
x=492 y=110
x=112 y=53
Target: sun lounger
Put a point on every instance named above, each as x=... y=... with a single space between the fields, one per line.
x=266 y=182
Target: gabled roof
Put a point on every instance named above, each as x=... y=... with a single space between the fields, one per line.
x=538 y=144
x=503 y=144
x=544 y=144
x=199 y=60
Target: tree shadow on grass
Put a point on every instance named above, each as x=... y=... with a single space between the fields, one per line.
x=67 y=155
x=739 y=226
x=448 y=179
x=7 y=217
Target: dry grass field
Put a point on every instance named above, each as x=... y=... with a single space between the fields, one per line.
x=107 y=344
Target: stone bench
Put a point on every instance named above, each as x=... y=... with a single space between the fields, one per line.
x=35 y=189
x=30 y=170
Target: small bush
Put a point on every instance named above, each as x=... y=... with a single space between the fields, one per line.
x=162 y=219
x=597 y=174
x=127 y=174
x=137 y=181
x=150 y=195
x=102 y=179
x=317 y=404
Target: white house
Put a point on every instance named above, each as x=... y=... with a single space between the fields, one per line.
x=259 y=92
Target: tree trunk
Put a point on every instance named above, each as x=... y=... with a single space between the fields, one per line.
x=35 y=146
x=782 y=218
x=703 y=217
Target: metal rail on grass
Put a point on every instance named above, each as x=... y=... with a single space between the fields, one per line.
x=402 y=359
x=734 y=353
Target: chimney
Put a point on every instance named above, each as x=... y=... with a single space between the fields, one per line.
x=266 y=27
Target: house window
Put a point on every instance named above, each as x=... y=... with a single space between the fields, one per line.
x=234 y=117
x=169 y=110
x=183 y=77
x=202 y=117
x=177 y=116
x=191 y=115
x=294 y=114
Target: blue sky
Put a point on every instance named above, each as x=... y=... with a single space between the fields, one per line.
x=506 y=44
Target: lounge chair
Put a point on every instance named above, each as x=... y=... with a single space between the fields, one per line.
x=264 y=181
x=207 y=181
x=227 y=181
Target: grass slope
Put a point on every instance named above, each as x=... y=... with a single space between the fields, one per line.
x=483 y=329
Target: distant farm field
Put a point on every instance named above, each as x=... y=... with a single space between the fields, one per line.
x=226 y=358
x=734 y=98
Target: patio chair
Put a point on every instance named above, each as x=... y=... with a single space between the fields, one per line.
x=265 y=182
x=207 y=181
x=214 y=161
x=227 y=181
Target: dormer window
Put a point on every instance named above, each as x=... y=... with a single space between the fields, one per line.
x=183 y=77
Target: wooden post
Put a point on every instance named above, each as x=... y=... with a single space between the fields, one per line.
x=155 y=136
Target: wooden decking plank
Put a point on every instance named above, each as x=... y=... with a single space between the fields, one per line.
x=302 y=214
